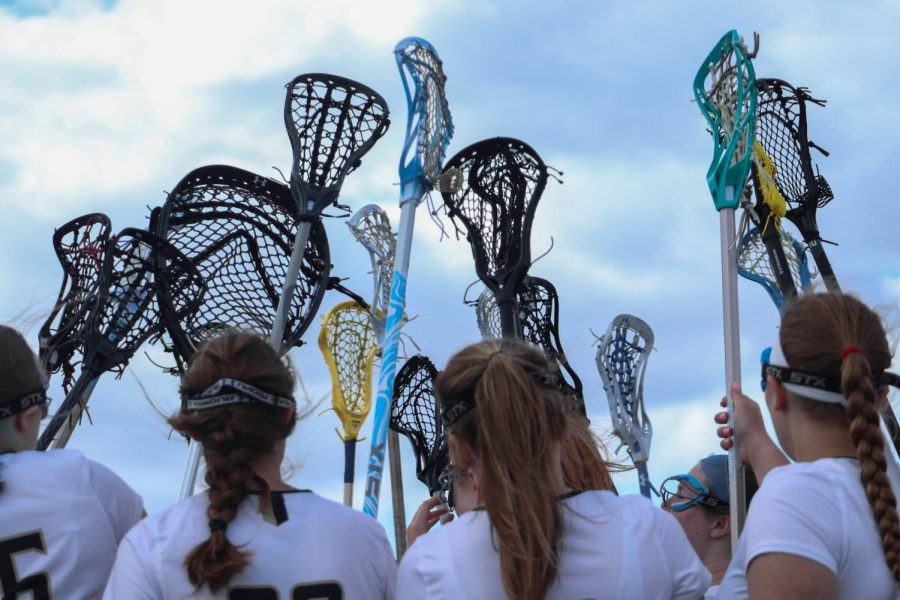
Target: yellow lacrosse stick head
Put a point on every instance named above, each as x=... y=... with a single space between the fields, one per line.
x=347 y=342
x=771 y=195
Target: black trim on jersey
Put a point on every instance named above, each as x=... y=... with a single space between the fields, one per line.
x=279 y=510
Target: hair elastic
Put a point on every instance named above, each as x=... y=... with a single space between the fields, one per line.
x=217 y=525
x=850 y=350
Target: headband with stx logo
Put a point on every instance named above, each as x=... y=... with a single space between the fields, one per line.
x=240 y=393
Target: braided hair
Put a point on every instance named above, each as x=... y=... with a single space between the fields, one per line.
x=234 y=439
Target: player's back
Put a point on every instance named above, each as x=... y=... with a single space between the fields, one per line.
x=303 y=547
x=62 y=518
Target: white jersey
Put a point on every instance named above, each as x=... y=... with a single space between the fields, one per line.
x=316 y=548
x=611 y=547
x=816 y=510
x=61 y=518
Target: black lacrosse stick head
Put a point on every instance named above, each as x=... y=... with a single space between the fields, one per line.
x=539 y=317
x=332 y=123
x=238 y=229
x=502 y=180
x=146 y=284
x=80 y=246
x=415 y=414
x=782 y=132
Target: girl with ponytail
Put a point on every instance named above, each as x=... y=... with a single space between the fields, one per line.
x=251 y=535
x=535 y=536
x=826 y=525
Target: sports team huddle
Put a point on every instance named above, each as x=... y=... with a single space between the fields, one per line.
x=522 y=505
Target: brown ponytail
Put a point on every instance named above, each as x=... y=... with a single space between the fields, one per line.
x=584 y=457
x=514 y=426
x=840 y=337
x=235 y=439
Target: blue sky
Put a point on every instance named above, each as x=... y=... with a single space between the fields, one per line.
x=105 y=105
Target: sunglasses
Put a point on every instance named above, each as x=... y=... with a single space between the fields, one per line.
x=681 y=492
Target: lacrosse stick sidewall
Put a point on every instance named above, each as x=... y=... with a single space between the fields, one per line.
x=80 y=392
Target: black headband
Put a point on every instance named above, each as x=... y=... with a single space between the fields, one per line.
x=465 y=402
x=20 y=404
x=240 y=393
x=823 y=382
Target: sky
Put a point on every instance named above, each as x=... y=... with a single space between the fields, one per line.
x=105 y=105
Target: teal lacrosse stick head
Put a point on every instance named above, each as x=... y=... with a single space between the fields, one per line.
x=429 y=126
x=725 y=89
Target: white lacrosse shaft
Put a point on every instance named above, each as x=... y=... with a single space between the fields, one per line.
x=389 y=357
x=397 y=493
x=290 y=284
x=731 y=323
x=189 y=481
x=65 y=432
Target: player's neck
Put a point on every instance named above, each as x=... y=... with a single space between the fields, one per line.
x=269 y=469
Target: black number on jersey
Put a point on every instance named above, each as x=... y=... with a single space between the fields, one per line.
x=37 y=584
x=321 y=590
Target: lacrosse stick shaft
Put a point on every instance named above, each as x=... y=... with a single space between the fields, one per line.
x=189 y=481
x=60 y=427
x=397 y=493
x=389 y=359
x=349 y=466
x=732 y=362
x=508 y=307
x=643 y=479
x=822 y=263
x=775 y=253
x=290 y=285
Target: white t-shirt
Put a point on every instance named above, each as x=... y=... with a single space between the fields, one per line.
x=316 y=549
x=611 y=547
x=816 y=510
x=61 y=518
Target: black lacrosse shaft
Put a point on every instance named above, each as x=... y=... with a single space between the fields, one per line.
x=508 y=306
x=83 y=387
x=805 y=221
x=771 y=237
x=349 y=468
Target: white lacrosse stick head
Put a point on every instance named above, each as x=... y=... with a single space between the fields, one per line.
x=488 y=315
x=622 y=361
x=372 y=228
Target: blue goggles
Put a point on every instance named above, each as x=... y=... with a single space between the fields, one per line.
x=764 y=361
x=681 y=492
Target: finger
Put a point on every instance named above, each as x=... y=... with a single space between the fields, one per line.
x=726 y=444
x=725 y=432
x=724 y=402
x=721 y=418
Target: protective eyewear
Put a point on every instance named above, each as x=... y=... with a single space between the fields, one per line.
x=681 y=492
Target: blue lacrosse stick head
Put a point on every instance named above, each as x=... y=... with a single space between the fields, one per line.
x=729 y=106
x=429 y=126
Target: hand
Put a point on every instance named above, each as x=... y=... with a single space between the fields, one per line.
x=428 y=513
x=754 y=446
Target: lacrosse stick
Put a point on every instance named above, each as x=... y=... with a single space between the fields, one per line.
x=781 y=131
x=428 y=132
x=414 y=413
x=332 y=123
x=237 y=228
x=347 y=342
x=502 y=180
x=622 y=361
x=754 y=263
x=80 y=246
x=138 y=268
x=725 y=90
x=372 y=228
x=538 y=311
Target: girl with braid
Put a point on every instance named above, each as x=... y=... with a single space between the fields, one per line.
x=824 y=526
x=251 y=535
x=534 y=535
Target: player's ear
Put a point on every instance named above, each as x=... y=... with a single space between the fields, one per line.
x=721 y=527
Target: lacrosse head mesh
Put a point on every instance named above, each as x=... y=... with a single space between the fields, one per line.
x=754 y=264
x=487 y=314
x=429 y=126
x=372 y=228
x=238 y=229
x=415 y=414
x=347 y=342
x=725 y=90
x=622 y=360
x=502 y=180
x=781 y=131
x=80 y=246
x=146 y=285
x=332 y=123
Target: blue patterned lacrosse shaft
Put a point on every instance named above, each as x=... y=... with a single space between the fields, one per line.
x=429 y=128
